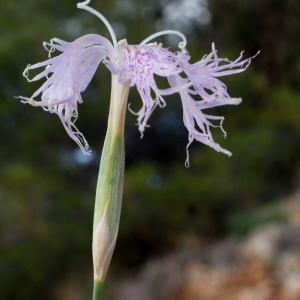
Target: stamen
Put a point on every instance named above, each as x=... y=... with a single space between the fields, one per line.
x=52 y=49
x=187 y=161
x=83 y=5
x=25 y=73
x=181 y=45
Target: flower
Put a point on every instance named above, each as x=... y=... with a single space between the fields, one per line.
x=68 y=74
x=71 y=72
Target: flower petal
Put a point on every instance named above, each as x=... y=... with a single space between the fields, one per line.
x=138 y=64
x=67 y=75
x=193 y=116
x=212 y=92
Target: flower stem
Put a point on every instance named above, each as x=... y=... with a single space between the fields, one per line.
x=109 y=187
x=98 y=285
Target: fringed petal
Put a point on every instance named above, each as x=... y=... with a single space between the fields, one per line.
x=138 y=64
x=194 y=118
x=67 y=75
x=212 y=92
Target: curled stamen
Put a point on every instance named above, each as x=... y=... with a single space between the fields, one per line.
x=181 y=45
x=25 y=73
x=187 y=161
x=132 y=111
x=83 y=5
x=52 y=49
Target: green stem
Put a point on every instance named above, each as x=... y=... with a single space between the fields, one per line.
x=110 y=179
x=98 y=286
x=109 y=187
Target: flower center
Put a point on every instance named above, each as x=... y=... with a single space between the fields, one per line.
x=136 y=64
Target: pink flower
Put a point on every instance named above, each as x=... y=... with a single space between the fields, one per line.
x=68 y=74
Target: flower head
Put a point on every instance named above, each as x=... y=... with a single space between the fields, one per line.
x=68 y=74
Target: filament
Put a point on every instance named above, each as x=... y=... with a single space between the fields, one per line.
x=83 y=5
x=181 y=45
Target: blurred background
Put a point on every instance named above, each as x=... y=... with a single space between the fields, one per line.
x=224 y=228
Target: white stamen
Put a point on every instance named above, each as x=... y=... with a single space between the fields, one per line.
x=25 y=73
x=181 y=45
x=83 y=5
x=187 y=161
x=52 y=49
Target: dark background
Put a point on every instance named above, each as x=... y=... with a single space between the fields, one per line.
x=47 y=186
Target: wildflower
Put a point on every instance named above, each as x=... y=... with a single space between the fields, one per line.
x=68 y=74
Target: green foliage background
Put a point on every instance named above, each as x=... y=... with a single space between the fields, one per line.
x=47 y=188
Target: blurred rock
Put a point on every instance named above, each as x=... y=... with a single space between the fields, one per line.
x=264 y=266
x=273 y=244
x=250 y=281
x=221 y=256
